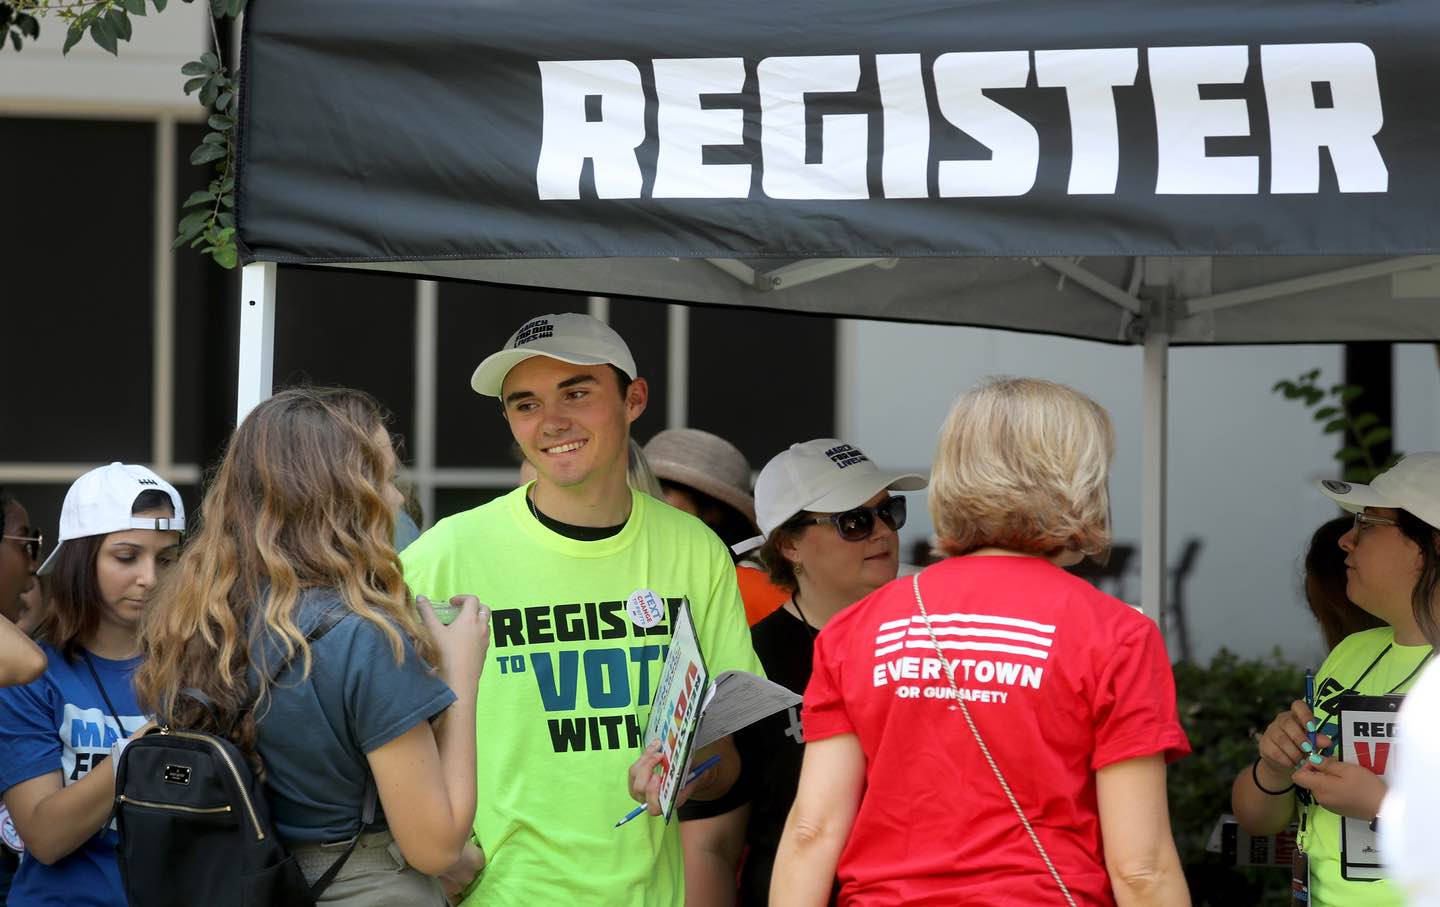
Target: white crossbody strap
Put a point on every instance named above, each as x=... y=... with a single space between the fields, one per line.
x=985 y=750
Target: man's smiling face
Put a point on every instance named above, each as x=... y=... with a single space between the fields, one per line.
x=571 y=421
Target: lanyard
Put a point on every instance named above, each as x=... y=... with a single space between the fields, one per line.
x=105 y=696
x=1355 y=687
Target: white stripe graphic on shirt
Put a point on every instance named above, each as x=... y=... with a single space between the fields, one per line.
x=910 y=633
x=965 y=647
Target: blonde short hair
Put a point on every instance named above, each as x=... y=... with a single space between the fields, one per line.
x=1022 y=464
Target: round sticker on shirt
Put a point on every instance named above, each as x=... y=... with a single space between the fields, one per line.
x=645 y=608
x=8 y=835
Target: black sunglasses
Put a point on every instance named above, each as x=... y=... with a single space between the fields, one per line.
x=857 y=525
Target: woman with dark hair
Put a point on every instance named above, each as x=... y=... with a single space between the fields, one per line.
x=21 y=661
x=1325 y=582
x=1392 y=567
x=299 y=526
x=119 y=528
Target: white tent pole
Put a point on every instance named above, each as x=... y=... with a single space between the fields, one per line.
x=1153 y=550
x=257 y=337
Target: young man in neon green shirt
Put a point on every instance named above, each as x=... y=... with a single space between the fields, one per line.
x=561 y=713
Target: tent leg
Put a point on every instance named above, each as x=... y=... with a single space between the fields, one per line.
x=1153 y=579
x=257 y=337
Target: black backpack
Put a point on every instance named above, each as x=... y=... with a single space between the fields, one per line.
x=195 y=827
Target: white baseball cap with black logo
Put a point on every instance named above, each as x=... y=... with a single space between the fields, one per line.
x=1412 y=485
x=569 y=337
x=826 y=475
x=100 y=501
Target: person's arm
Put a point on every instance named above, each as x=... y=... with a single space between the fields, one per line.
x=54 y=820
x=713 y=847
x=21 y=661
x=426 y=776
x=1140 y=853
x=832 y=781
x=1281 y=746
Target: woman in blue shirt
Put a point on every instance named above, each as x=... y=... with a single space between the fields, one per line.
x=119 y=528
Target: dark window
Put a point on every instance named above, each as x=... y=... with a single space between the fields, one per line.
x=763 y=380
x=79 y=318
x=207 y=330
x=450 y=501
x=645 y=327
x=349 y=328
x=475 y=320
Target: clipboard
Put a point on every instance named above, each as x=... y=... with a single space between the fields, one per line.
x=675 y=709
x=1367 y=727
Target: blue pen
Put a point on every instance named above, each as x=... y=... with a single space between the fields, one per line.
x=695 y=772
x=1310 y=704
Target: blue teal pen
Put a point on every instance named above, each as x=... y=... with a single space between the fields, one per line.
x=1310 y=704
x=695 y=772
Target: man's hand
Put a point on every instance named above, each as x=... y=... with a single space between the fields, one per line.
x=460 y=875
x=648 y=772
x=1343 y=787
x=645 y=776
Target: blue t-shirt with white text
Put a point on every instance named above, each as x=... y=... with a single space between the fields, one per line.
x=61 y=723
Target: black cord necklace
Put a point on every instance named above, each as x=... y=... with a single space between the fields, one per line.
x=104 y=695
x=795 y=600
x=1383 y=652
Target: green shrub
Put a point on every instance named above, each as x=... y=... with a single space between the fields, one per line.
x=1224 y=707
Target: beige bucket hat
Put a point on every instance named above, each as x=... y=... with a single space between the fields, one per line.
x=705 y=462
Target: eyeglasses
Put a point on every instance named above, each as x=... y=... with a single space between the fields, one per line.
x=1364 y=519
x=857 y=525
x=30 y=544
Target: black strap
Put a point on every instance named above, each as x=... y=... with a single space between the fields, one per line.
x=367 y=818
x=324 y=625
x=104 y=695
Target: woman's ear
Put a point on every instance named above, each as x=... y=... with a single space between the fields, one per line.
x=787 y=547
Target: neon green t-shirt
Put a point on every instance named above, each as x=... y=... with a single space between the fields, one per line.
x=565 y=694
x=1338 y=676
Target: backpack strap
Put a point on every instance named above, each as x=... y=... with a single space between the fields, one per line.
x=367 y=818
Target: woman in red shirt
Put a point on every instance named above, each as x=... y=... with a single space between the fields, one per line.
x=1069 y=689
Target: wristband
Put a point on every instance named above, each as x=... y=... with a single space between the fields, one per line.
x=1255 y=776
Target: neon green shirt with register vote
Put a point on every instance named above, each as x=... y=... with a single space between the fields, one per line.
x=565 y=694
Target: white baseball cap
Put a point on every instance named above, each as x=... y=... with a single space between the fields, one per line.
x=100 y=502
x=822 y=476
x=1412 y=485
x=569 y=337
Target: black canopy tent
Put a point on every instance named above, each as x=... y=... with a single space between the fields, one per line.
x=1130 y=171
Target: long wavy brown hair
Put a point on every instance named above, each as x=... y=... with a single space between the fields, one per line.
x=296 y=504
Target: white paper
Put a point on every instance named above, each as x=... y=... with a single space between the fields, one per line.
x=1366 y=740
x=737 y=699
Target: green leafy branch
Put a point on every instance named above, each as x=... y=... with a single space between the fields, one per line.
x=210 y=214
x=1362 y=434
x=208 y=217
